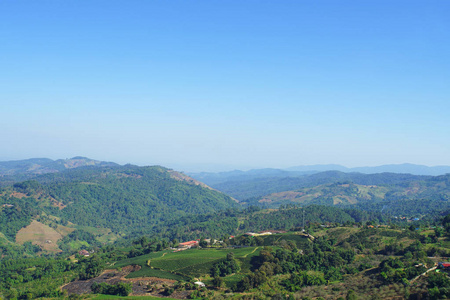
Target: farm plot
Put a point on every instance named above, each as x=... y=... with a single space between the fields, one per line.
x=139 y=260
x=39 y=234
x=149 y=272
x=193 y=259
x=185 y=264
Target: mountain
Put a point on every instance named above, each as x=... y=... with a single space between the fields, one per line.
x=37 y=166
x=122 y=200
x=19 y=170
x=394 y=168
x=245 y=187
x=363 y=189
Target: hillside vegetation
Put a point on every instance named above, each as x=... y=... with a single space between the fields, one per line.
x=126 y=200
x=348 y=192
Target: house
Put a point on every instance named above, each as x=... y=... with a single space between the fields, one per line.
x=199 y=283
x=188 y=245
x=444 y=265
x=83 y=252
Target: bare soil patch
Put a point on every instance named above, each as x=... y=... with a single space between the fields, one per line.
x=139 y=284
x=41 y=235
x=18 y=195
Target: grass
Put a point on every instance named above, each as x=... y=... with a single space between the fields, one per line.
x=77 y=244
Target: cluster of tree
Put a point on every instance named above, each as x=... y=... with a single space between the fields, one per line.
x=225 y=267
x=91 y=267
x=78 y=235
x=16 y=213
x=438 y=286
x=144 y=245
x=322 y=256
x=303 y=278
x=120 y=289
x=396 y=270
x=35 y=277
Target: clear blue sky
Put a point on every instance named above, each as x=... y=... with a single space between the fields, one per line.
x=226 y=84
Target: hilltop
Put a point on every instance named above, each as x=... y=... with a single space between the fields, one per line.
x=19 y=170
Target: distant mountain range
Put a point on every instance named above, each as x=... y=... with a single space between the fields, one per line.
x=397 y=168
x=311 y=169
x=19 y=170
x=46 y=165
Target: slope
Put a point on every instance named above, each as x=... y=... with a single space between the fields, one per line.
x=129 y=200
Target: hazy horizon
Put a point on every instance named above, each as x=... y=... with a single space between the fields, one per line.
x=217 y=168
x=227 y=84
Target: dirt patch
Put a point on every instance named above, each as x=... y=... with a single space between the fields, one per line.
x=18 y=195
x=41 y=235
x=123 y=175
x=182 y=177
x=149 y=286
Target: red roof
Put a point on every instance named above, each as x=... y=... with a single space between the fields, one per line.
x=189 y=243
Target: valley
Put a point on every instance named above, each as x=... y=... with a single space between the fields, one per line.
x=119 y=230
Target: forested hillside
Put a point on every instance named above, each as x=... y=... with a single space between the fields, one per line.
x=367 y=191
x=20 y=170
x=115 y=201
x=253 y=185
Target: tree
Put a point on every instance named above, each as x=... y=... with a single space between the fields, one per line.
x=351 y=295
x=218 y=281
x=446 y=223
x=203 y=243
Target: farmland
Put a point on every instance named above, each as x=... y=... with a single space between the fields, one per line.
x=41 y=235
x=185 y=264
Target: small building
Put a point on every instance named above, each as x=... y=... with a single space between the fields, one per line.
x=83 y=252
x=444 y=265
x=188 y=245
x=199 y=283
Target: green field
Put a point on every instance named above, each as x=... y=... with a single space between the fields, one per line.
x=185 y=264
x=139 y=260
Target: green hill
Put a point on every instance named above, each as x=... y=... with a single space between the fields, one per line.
x=347 y=192
x=129 y=200
x=20 y=170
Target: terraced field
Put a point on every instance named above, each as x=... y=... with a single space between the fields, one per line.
x=139 y=260
x=39 y=234
x=185 y=264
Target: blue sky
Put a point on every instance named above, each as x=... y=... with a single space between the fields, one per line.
x=226 y=84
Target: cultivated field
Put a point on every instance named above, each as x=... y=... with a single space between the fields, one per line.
x=185 y=264
x=41 y=235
